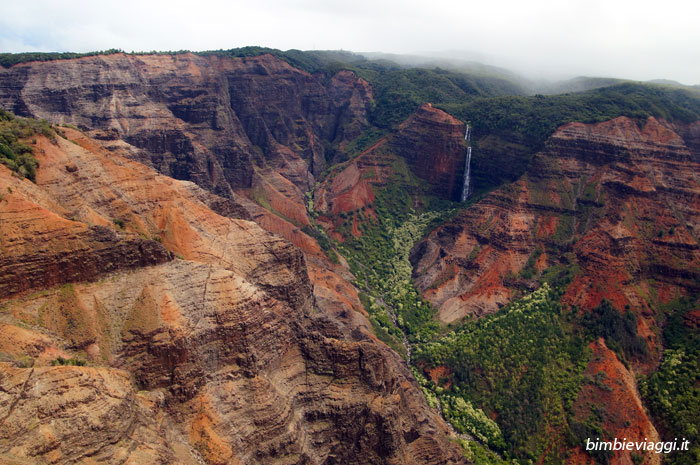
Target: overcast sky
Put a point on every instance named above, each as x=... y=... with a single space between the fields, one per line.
x=634 y=39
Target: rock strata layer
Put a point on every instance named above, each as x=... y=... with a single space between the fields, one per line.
x=204 y=340
x=208 y=119
x=618 y=202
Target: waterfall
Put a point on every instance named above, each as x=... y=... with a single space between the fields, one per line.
x=467 y=169
x=467 y=165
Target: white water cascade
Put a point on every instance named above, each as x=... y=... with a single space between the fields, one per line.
x=467 y=165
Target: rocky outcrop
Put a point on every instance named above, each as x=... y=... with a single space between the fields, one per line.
x=43 y=244
x=428 y=146
x=67 y=252
x=81 y=415
x=352 y=188
x=432 y=143
x=462 y=266
x=616 y=204
x=221 y=355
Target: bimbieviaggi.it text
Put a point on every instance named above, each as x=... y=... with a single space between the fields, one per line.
x=646 y=445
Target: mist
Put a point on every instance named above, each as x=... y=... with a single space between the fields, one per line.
x=637 y=40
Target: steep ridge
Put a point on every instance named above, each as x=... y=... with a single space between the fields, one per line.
x=432 y=142
x=41 y=248
x=253 y=131
x=211 y=120
x=614 y=384
x=221 y=355
x=617 y=202
x=610 y=212
x=427 y=147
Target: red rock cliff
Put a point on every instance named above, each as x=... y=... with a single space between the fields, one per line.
x=432 y=142
x=219 y=356
x=619 y=201
x=207 y=119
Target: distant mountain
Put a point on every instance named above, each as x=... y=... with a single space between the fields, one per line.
x=455 y=64
x=577 y=84
x=585 y=83
x=668 y=82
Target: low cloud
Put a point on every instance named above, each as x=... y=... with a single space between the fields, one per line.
x=627 y=39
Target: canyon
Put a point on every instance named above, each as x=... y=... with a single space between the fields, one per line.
x=178 y=284
x=627 y=195
x=203 y=335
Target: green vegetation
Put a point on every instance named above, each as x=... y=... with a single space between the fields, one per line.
x=532 y=120
x=481 y=455
x=14 y=152
x=60 y=361
x=11 y=59
x=673 y=391
x=618 y=329
x=578 y=432
x=521 y=365
x=467 y=419
x=400 y=91
x=379 y=259
x=364 y=141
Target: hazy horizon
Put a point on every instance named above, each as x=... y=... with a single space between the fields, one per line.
x=550 y=39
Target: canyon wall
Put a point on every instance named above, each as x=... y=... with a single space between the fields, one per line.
x=171 y=245
x=208 y=119
x=618 y=201
x=204 y=339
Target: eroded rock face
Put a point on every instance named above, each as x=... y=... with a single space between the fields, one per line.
x=219 y=354
x=618 y=201
x=432 y=142
x=609 y=382
x=353 y=188
x=80 y=415
x=614 y=205
x=210 y=120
